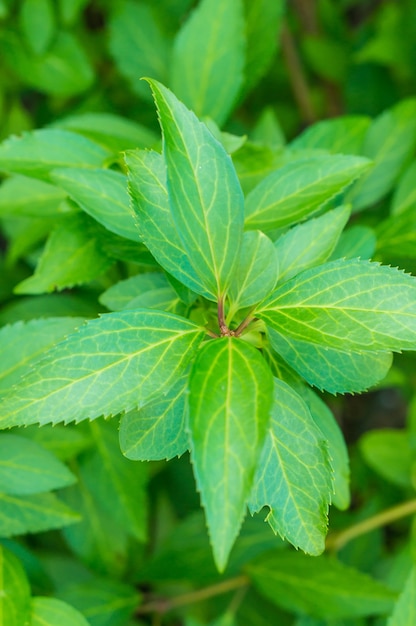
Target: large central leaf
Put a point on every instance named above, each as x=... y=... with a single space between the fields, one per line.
x=205 y=195
x=111 y=364
x=230 y=397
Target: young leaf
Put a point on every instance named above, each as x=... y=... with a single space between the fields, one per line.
x=332 y=369
x=256 y=272
x=51 y=611
x=208 y=58
x=118 y=296
x=35 y=153
x=86 y=376
x=103 y=195
x=293 y=475
x=319 y=586
x=299 y=189
x=206 y=200
x=343 y=135
x=33 y=514
x=405 y=610
x=26 y=467
x=20 y=195
x=230 y=397
x=149 y=196
x=348 y=305
x=72 y=256
x=157 y=430
x=14 y=590
x=310 y=243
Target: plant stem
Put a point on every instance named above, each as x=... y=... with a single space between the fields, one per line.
x=162 y=605
x=338 y=540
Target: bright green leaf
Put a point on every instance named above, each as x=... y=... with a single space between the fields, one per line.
x=298 y=189
x=20 y=195
x=157 y=430
x=51 y=611
x=103 y=195
x=208 y=58
x=311 y=243
x=37 y=23
x=230 y=396
x=86 y=376
x=256 y=273
x=356 y=241
x=147 y=185
x=404 y=612
x=348 y=305
x=319 y=586
x=293 y=477
x=118 y=296
x=72 y=256
x=388 y=452
x=14 y=590
x=33 y=513
x=341 y=135
x=35 y=153
x=65 y=442
x=332 y=369
x=396 y=236
x=205 y=196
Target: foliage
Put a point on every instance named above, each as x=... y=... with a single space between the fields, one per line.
x=205 y=299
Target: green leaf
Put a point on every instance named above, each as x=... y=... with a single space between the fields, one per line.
x=14 y=590
x=405 y=610
x=310 y=243
x=208 y=58
x=37 y=23
x=348 y=305
x=157 y=430
x=65 y=442
x=253 y=163
x=294 y=475
x=341 y=135
x=319 y=586
x=298 y=189
x=35 y=153
x=86 y=376
x=72 y=256
x=138 y=44
x=147 y=186
x=338 y=452
x=230 y=397
x=389 y=142
x=22 y=344
x=256 y=273
x=33 y=513
x=396 y=236
x=20 y=195
x=356 y=241
x=118 y=296
x=51 y=611
x=206 y=200
x=103 y=195
x=332 y=369
x=26 y=467
x=388 y=452
x=117 y=483
x=405 y=193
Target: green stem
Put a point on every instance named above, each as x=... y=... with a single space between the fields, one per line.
x=338 y=540
x=162 y=605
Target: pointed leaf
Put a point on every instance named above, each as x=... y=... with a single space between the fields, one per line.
x=51 y=611
x=405 y=610
x=208 y=58
x=35 y=153
x=293 y=477
x=256 y=272
x=299 y=189
x=20 y=515
x=20 y=195
x=103 y=195
x=14 y=590
x=230 y=396
x=348 y=305
x=343 y=135
x=26 y=467
x=310 y=243
x=149 y=196
x=205 y=195
x=157 y=431
x=86 y=375
x=319 y=586
x=331 y=369
x=72 y=256
x=37 y=23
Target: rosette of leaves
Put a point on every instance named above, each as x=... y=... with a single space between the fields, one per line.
x=213 y=350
